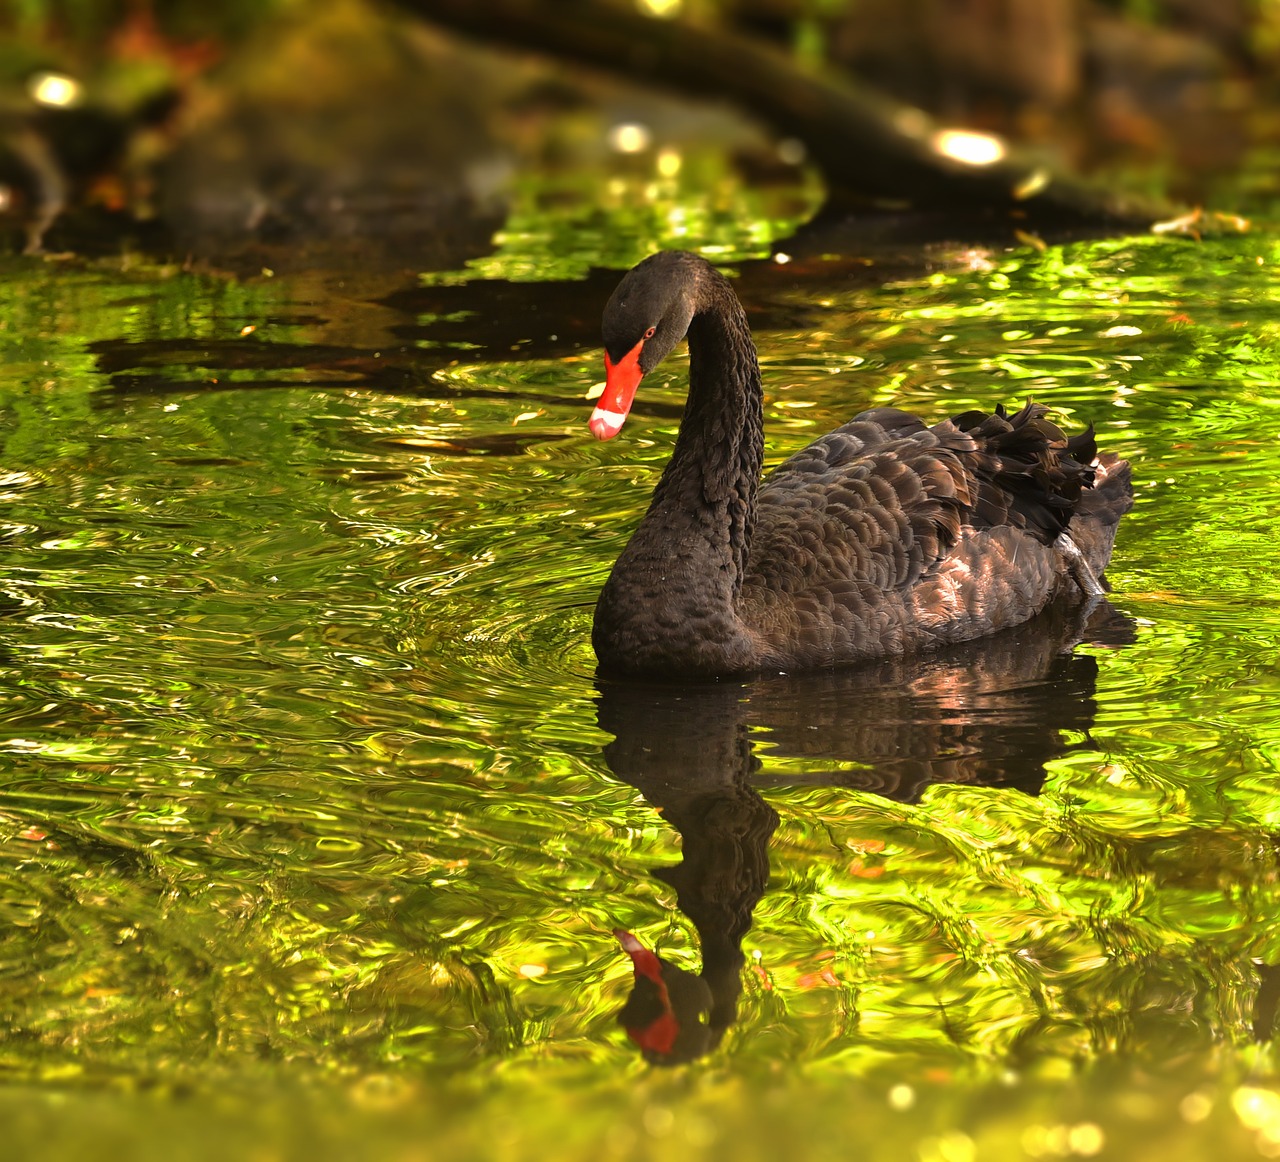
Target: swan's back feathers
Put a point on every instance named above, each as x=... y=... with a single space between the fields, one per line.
x=855 y=530
x=977 y=470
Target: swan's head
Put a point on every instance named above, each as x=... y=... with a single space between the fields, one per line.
x=644 y=319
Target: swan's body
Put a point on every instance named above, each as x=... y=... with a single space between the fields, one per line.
x=884 y=536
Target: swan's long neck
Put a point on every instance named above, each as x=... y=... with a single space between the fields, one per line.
x=670 y=605
x=709 y=486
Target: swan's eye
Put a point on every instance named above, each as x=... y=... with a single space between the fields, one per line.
x=649 y=333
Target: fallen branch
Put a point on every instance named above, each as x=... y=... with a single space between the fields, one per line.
x=867 y=146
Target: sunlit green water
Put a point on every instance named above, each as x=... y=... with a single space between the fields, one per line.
x=304 y=771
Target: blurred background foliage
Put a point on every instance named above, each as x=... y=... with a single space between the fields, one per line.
x=196 y=127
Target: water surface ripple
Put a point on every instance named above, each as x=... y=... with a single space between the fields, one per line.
x=302 y=757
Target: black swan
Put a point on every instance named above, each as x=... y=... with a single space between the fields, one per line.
x=883 y=537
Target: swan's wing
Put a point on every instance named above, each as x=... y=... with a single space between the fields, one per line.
x=880 y=503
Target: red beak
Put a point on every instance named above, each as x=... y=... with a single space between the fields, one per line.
x=621 y=380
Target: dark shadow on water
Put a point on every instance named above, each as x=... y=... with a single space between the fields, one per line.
x=989 y=713
x=425 y=329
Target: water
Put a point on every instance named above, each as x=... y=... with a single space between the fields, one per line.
x=307 y=789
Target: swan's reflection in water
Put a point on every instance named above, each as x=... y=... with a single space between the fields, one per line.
x=990 y=712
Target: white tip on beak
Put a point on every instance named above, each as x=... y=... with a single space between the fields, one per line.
x=605 y=424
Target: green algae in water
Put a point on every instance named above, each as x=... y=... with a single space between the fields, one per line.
x=304 y=784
